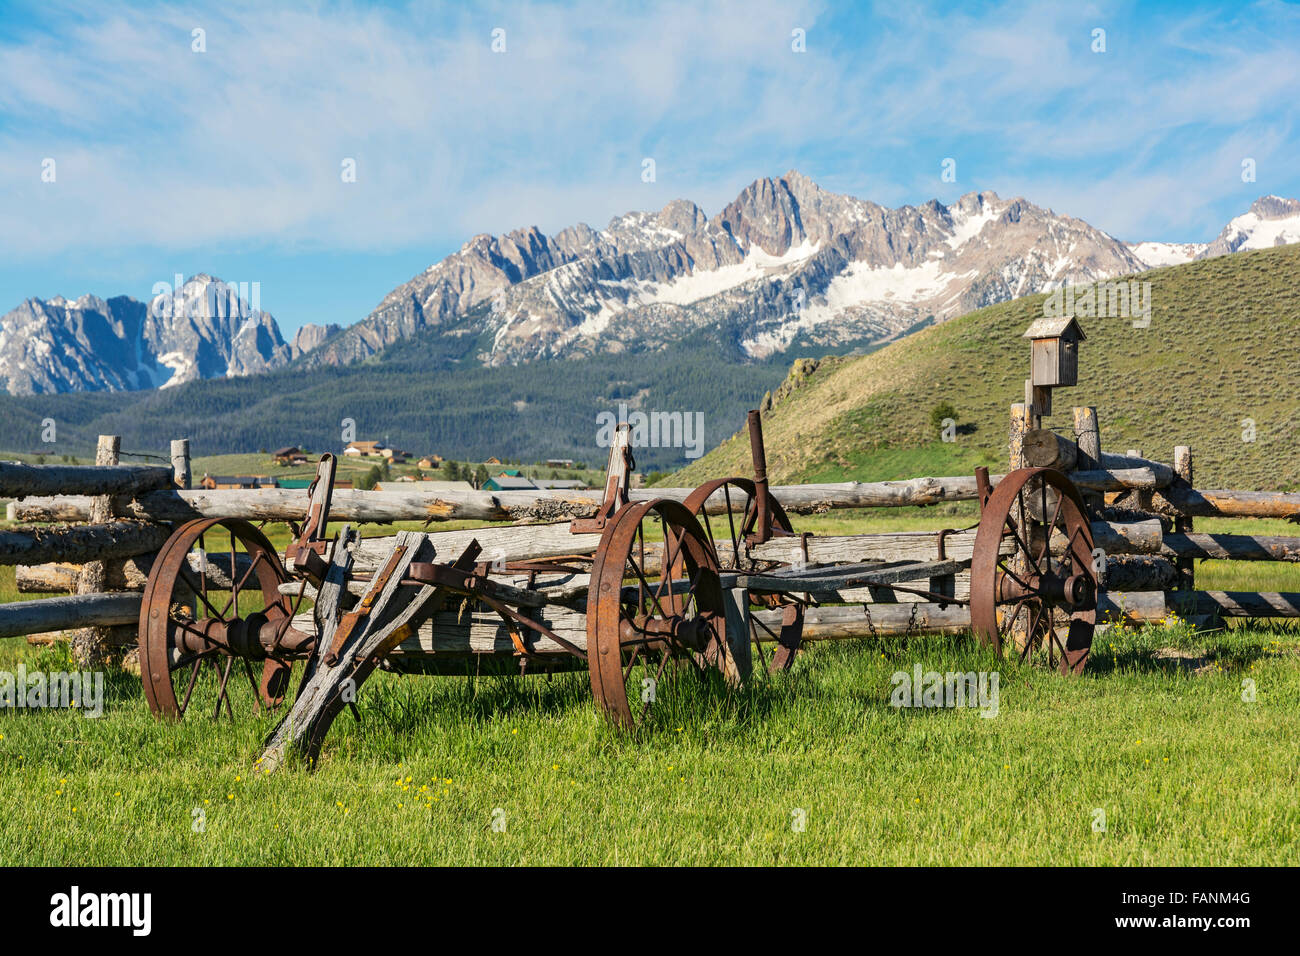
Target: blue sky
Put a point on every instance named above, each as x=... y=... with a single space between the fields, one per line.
x=228 y=161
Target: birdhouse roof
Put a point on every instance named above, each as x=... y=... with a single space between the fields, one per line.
x=1054 y=328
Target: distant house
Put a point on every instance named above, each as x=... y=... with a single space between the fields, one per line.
x=509 y=473
x=375 y=449
x=560 y=484
x=363 y=449
x=502 y=483
x=493 y=461
x=428 y=487
x=559 y=463
x=292 y=455
x=434 y=462
x=237 y=482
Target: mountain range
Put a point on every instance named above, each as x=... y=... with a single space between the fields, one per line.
x=786 y=265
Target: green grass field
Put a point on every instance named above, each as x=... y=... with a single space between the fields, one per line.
x=1156 y=736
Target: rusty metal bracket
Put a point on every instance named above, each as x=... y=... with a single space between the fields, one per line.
x=942 y=538
x=758 y=454
x=983 y=488
x=618 y=477
x=350 y=619
x=305 y=554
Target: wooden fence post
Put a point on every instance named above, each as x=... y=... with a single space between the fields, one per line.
x=181 y=462
x=89 y=644
x=1020 y=419
x=1087 y=436
x=1183 y=523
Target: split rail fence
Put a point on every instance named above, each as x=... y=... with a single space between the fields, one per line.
x=89 y=535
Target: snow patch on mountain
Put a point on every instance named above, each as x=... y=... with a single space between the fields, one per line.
x=1154 y=255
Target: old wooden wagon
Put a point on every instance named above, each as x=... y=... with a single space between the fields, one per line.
x=644 y=592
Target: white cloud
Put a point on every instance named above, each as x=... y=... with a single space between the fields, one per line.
x=159 y=146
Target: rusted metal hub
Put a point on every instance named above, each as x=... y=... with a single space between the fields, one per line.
x=255 y=638
x=665 y=633
x=1077 y=592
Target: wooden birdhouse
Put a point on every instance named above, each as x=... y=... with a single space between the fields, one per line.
x=1055 y=352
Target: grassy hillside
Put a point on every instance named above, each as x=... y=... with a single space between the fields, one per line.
x=1221 y=348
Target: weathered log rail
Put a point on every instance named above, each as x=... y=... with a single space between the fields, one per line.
x=145 y=503
x=386 y=507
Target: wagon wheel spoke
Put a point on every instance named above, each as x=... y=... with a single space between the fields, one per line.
x=201 y=592
x=194 y=676
x=1032 y=632
x=221 y=689
x=252 y=682
x=731 y=523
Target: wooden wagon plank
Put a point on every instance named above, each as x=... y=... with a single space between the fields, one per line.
x=841 y=577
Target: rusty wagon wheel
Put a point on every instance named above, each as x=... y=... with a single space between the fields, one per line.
x=731 y=529
x=206 y=617
x=730 y=532
x=640 y=618
x=1033 y=587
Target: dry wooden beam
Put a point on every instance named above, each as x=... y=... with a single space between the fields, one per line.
x=181 y=462
x=1112 y=537
x=1087 y=437
x=1140 y=572
x=1133 y=608
x=130 y=575
x=19 y=481
x=64 y=508
x=1233 y=547
x=1179 y=500
x=380 y=507
x=52 y=578
x=1182 y=523
x=1043 y=448
x=1242 y=603
x=499 y=544
x=89 y=644
x=854 y=548
x=455 y=633
x=1021 y=422
x=79 y=544
x=847 y=622
x=19 y=618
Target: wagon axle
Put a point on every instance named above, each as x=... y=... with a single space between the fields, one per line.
x=662 y=634
x=256 y=637
x=1076 y=592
